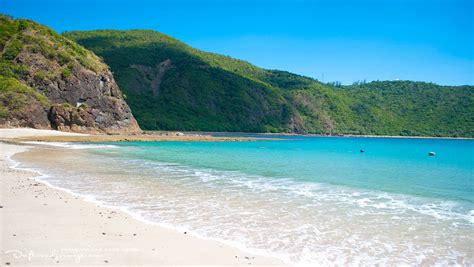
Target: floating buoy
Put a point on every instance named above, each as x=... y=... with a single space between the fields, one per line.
x=431 y=154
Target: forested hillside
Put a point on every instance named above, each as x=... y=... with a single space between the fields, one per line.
x=172 y=86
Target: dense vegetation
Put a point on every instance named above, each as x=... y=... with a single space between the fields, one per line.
x=26 y=37
x=172 y=86
x=190 y=93
x=413 y=108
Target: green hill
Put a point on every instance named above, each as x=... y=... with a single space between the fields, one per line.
x=49 y=81
x=172 y=86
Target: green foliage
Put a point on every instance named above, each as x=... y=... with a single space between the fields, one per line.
x=12 y=50
x=11 y=85
x=40 y=75
x=172 y=86
x=32 y=38
x=413 y=108
x=3 y=111
x=15 y=96
x=54 y=58
x=211 y=92
x=67 y=105
x=66 y=72
x=7 y=30
x=193 y=94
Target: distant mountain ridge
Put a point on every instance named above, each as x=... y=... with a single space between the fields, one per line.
x=49 y=81
x=172 y=86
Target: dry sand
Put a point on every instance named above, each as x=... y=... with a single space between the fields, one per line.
x=28 y=132
x=44 y=226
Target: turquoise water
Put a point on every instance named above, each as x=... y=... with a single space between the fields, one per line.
x=306 y=200
x=391 y=165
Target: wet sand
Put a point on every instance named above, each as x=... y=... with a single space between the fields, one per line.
x=27 y=134
x=46 y=226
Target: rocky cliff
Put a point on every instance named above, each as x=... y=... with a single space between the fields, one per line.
x=48 y=81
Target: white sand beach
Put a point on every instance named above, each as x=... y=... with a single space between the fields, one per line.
x=44 y=226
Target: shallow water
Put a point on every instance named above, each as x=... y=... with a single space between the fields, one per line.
x=305 y=200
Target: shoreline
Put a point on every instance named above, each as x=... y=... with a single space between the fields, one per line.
x=70 y=229
x=335 y=136
x=51 y=223
x=36 y=135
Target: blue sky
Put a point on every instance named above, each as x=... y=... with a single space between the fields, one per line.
x=425 y=40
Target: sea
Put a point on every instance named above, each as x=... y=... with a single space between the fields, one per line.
x=305 y=200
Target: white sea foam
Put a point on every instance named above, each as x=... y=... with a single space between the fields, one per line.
x=378 y=200
x=70 y=145
x=299 y=222
x=123 y=207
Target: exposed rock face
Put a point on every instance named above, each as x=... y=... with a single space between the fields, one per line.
x=84 y=101
x=32 y=116
x=154 y=76
x=77 y=91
